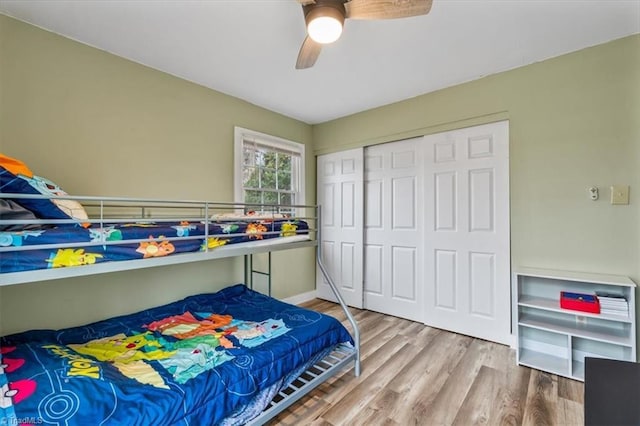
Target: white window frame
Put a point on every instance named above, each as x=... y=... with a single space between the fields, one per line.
x=297 y=182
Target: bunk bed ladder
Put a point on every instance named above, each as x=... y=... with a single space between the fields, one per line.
x=326 y=367
x=250 y=271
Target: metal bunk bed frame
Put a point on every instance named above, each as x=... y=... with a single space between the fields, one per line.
x=338 y=359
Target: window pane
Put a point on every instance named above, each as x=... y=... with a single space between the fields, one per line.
x=286 y=198
x=270 y=197
x=270 y=159
x=252 y=197
x=260 y=154
x=284 y=180
x=268 y=178
x=284 y=162
x=250 y=178
x=249 y=157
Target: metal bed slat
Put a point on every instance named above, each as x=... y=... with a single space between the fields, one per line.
x=275 y=408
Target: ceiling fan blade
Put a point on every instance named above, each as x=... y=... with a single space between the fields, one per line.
x=386 y=9
x=309 y=53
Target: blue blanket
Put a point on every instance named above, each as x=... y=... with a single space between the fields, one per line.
x=189 y=362
x=112 y=242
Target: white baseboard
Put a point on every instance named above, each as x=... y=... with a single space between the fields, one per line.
x=301 y=298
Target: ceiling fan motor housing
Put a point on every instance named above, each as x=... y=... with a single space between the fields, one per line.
x=324 y=8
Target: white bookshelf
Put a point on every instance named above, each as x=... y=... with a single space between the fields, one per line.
x=557 y=340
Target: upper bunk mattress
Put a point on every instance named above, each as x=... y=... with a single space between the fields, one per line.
x=97 y=244
x=195 y=361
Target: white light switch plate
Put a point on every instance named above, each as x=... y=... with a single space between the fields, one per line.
x=620 y=194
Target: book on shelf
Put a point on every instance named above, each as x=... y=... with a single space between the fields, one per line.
x=613 y=304
x=616 y=309
x=612 y=300
x=579 y=302
x=611 y=296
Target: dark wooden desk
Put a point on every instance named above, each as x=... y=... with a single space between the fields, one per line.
x=611 y=392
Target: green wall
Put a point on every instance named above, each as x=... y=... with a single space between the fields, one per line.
x=574 y=123
x=101 y=125
x=97 y=124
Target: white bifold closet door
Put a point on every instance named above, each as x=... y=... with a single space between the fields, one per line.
x=467 y=252
x=431 y=241
x=340 y=196
x=393 y=227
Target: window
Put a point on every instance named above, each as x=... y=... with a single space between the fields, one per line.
x=268 y=170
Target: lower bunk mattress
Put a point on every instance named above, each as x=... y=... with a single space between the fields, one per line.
x=208 y=359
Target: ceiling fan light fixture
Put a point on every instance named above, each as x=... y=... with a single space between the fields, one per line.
x=324 y=24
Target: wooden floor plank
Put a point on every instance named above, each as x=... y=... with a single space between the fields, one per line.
x=444 y=407
x=422 y=395
x=372 y=364
x=478 y=402
x=508 y=407
x=414 y=374
x=542 y=398
x=305 y=411
x=423 y=377
x=570 y=413
x=571 y=390
x=349 y=406
x=441 y=348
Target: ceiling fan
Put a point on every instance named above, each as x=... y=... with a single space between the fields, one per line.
x=325 y=18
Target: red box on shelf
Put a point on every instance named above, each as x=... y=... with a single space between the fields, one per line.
x=579 y=302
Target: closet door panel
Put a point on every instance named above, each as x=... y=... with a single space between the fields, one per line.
x=467 y=256
x=444 y=201
x=373 y=217
x=373 y=269
x=340 y=195
x=445 y=281
x=393 y=229
x=481 y=200
x=403 y=203
x=483 y=283
x=404 y=285
x=347 y=257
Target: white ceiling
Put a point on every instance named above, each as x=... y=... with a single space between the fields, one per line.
x=248 y=48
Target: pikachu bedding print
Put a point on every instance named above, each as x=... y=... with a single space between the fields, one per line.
x=196 y=361
x=109 y=242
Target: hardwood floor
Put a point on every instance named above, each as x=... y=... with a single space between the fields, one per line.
x=416 y=375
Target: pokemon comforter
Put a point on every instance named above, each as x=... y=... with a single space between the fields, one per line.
x=97 y=244
x=208 y=359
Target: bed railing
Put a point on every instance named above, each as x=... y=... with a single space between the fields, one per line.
x=104 y=213
x=110 y=210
